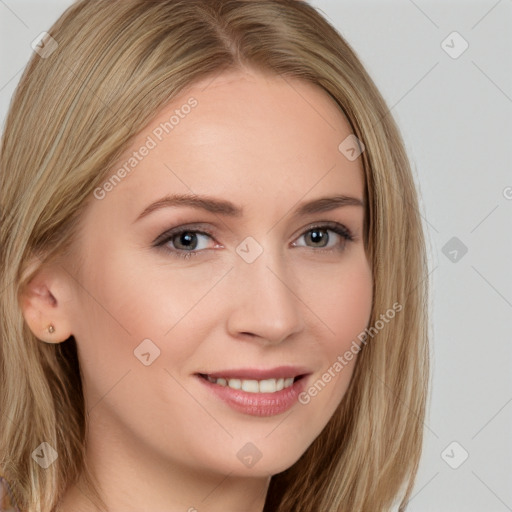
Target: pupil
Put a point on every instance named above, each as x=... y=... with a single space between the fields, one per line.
x=187 y=236
x=317 y=236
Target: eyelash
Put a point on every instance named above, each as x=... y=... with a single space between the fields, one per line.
x=166 y=237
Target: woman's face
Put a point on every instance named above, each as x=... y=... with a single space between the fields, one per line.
x=249 y=280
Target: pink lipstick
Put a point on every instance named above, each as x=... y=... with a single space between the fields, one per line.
x=257 y=392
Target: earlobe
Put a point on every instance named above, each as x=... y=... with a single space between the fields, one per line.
x=43 y=309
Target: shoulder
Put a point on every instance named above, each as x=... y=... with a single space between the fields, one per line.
x=7 y=503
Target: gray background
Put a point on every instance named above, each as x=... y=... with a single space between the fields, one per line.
x=455 y=115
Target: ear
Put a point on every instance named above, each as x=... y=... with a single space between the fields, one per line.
x=45 y=304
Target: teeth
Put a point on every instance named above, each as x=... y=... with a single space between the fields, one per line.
x=234 y=383
x=251 y=386
x=268 y=386
x=254 y=386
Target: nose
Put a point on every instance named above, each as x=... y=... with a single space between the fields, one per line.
x=265 y=304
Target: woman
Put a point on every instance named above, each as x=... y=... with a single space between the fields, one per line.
x=213 y=268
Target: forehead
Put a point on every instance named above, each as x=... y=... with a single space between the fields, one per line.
x=242 y=134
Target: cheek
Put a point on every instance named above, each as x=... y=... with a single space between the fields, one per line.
x=115 y=312
x=342 y=300
x=350 y=303
x=123 y=302
x=344 y=308
x=157 y=294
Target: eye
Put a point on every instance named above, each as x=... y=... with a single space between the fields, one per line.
x=184 y=242
x=319 y=236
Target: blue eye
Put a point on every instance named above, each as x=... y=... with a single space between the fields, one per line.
x=186 y=242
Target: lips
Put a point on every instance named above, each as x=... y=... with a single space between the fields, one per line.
x=254 y=380
x=284 y=372
x=257 y=392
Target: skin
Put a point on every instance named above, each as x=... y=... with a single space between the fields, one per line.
x=158 y=439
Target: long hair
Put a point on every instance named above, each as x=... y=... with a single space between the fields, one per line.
x=113 y=65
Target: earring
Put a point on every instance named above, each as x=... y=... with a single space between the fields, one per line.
x=51 y=329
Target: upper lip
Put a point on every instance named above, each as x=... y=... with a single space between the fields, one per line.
x=278 y=372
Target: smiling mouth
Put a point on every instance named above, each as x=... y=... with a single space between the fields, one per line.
x=272 y=385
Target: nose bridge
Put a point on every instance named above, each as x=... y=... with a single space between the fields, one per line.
x=265 y=303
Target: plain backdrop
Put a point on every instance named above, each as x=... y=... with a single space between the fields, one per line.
x=444 y=69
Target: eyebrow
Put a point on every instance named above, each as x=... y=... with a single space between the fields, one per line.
x=223 y=207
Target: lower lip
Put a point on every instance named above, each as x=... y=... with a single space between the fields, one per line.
x=258 y=404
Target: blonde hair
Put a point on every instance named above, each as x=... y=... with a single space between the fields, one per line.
x=118 y=62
